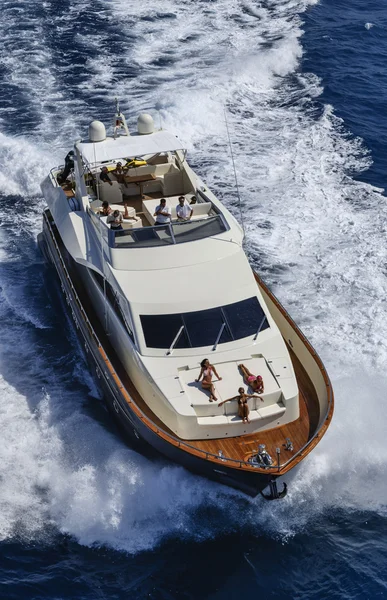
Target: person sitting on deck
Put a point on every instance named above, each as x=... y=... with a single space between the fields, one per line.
x=105 y=209
x=120 y=174
x=183 y=210
x=206 y=371
x=243 y=408
x=115 y=220
x=162 y=213
x=104 y=176
x=255 y=381
x=193 y=200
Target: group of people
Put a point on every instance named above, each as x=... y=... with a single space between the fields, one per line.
x=184 y=211
x=118 y=173
x=254 y=381
x=163 y=212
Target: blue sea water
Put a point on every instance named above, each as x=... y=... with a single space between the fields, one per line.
x=84 y=516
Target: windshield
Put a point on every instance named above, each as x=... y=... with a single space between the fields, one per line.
x=202 y=328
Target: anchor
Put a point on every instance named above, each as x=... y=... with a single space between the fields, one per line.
x=274 y=493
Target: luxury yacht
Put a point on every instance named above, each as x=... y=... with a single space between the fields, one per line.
x=152 y=300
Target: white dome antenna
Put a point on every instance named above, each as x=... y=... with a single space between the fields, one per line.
x=145 y=124
x=97 y=131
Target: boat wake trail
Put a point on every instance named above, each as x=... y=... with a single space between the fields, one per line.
x=316 y=234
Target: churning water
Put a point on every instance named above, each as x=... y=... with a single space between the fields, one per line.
x=82 y=515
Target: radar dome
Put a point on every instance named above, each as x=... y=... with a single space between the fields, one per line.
x=145 y=124
x=97 y=131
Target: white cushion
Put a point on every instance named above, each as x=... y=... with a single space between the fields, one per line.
x=253 y=416
x=111 y=193
x=149 y=207
x=217 y=420
x=173 y=183
x=274 y=410
x=134 y=223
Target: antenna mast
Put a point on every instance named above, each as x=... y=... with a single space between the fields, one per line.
x=235 y=175
x=119 y=122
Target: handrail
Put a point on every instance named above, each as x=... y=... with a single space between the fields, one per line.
x=219 y=336
x=175 y=340
x=260 y=327
x=111 y=234
x=53 y=170
x=180 y=443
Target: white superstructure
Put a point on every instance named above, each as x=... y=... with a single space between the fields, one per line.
x=172 y=295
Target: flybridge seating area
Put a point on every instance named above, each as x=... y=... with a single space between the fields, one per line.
x=141 y=190
x=160 y=176
x=132 y=172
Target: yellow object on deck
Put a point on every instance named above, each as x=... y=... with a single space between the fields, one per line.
x=134 y=162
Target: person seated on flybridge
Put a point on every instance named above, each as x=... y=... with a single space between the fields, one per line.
x=114 y=218
x=162 y=213
x=243 y=409
x=106 y=211
x=104 y=176
x=120 y=174
x=183 y=210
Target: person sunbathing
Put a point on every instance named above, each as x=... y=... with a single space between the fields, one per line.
x=243 y=407
x=254 y=381
x=206 y=371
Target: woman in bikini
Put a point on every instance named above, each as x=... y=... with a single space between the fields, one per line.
x=206 y=371
x=243 y=408
x=255 y=381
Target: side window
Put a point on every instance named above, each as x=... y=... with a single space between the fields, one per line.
x=113 y=298
x=118 y=307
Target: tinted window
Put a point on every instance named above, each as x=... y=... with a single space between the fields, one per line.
x=201 y=328
x=204 y=327
x=112 y=296
x=245 y=317
x=161 y=330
